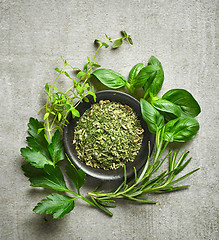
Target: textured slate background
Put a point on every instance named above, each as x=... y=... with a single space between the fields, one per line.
x=182 y=34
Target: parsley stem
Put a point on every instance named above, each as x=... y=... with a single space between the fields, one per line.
x=80 y=196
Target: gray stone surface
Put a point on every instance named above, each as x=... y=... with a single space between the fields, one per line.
x=182 y=34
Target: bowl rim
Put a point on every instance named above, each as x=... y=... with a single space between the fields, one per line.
x=101 y=174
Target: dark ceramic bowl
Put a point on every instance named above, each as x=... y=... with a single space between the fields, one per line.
x=102 y=174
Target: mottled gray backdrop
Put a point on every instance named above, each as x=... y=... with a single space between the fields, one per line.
x=182 y=34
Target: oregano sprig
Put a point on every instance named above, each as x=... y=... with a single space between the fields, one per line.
x=45 y=146
x=60 y=104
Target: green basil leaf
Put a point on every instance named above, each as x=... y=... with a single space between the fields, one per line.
x=144 y=75
x=110 y=78
x=152 y=117
x=134 y=72
x=166 y=106
x=148 y=82
x=155 y=82
x=55 y=204
x=185 y=100
x=117 y=43
x=181 y=129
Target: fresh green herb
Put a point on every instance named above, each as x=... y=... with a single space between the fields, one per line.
x=118 y=42
x=151 y=116
x=181 y=130
x=182 y=98
x=60 y=104
x=156 y=111
x=155 y=82
x=108 y=135
x=40 y=152
x=55 y=204
x=133 y=74
x=147 y=181
x=110 y=78
x=45 y=146
x=170 y=118
x=43 y=171
x=167 y=108
x=150 y=77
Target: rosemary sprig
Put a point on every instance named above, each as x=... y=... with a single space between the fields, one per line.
x=147 y=181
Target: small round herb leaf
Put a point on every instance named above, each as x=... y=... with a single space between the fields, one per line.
x=117 y=43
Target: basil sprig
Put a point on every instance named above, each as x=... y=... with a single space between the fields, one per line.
x=167 y=108
x=157 y=111
x=149 y=77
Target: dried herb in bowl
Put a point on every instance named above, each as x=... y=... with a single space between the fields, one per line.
x=108 y=135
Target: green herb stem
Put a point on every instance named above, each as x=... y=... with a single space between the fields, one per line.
x=80 y=196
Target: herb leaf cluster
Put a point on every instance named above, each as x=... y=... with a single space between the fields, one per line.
x=60 y=104
x=176 y=109
x=39 y=152
x=149 y=77
x=43 y=171
x=170 y=117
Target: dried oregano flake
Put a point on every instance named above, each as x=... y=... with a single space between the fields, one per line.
x=108 y=135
